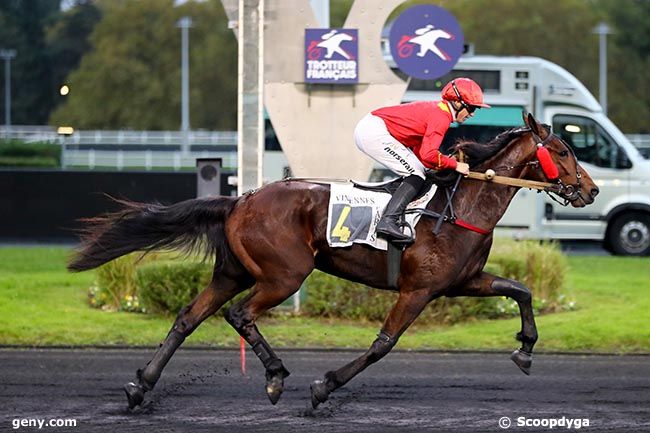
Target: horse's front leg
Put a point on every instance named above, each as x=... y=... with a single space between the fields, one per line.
x=486 y=284
x=220 y=290
x=404 y=312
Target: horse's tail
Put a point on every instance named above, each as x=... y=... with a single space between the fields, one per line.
x=189 y=225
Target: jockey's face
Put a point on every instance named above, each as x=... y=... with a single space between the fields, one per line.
x=464 y=112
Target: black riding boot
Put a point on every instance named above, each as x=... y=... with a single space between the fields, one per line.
x=388 y=225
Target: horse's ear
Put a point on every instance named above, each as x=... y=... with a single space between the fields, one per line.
x=524 y=116
x=534 y=126
x=531 y=122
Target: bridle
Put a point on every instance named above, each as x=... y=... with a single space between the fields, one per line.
x=542 y=161
x=568 y=192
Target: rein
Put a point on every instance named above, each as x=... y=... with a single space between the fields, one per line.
x=512 y=181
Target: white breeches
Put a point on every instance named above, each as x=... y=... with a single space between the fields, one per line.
x=372 y=138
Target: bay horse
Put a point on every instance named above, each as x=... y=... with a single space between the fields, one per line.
x=272 y=238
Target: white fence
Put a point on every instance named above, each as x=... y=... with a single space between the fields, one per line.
x=148 y=150
x=29 y=132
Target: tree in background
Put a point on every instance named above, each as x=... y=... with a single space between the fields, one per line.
x=131 y=79
x=562 y=31
x=130 y=73
x=22 y=28
x=67 y=41
x=50 y=43
x=628 y=63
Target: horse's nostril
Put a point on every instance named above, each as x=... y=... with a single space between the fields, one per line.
x=594 y=192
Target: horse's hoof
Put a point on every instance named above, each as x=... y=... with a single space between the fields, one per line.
x=523 y=360
x=319 y=393
x=274 y=388
x=134 y=393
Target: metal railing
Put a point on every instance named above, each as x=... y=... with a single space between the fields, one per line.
x=147 y=149
x=29 y=132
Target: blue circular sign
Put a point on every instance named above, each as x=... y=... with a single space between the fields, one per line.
x=426 y=41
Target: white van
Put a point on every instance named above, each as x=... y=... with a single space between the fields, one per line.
x=620 y=216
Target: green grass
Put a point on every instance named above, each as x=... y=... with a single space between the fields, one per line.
x=41 y=304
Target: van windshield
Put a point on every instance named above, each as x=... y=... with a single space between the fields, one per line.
x=590 y=142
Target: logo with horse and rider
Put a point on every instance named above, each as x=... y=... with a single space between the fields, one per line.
x=331 y=56
x=426 y=41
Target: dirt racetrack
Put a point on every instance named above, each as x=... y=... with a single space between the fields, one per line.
x=203 y=390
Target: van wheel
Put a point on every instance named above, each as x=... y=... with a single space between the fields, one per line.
x=629 y=235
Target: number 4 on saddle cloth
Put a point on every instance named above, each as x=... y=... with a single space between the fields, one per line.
x=356 y=208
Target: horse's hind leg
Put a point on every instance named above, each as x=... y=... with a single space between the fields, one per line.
x=220 y=290
x=404 y=312
x=490 y=285
x=242 y=317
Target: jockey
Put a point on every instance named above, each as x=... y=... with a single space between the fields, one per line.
x=406 y=139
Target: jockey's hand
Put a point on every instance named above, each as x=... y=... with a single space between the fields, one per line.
x=462 y=168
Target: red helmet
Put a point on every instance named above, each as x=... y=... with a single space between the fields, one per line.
x=465 y=91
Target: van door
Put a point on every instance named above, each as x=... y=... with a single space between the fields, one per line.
x=607 y=164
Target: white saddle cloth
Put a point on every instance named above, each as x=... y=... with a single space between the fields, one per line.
x=353 y=215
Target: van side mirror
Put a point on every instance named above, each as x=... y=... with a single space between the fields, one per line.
x=622 y=161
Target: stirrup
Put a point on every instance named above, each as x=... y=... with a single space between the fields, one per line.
x=395 y=235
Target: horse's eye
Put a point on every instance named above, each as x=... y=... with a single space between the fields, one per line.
x=564 y=153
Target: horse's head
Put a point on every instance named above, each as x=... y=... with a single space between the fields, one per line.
x=558 y=164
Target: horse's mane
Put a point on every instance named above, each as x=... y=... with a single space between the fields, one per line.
x=479 y=152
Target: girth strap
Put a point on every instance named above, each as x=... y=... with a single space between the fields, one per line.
x=394 y=258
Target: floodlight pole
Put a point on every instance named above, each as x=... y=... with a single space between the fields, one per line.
x=185 y=24
x=322 y=11
x=602 y=30
x=7 y=55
